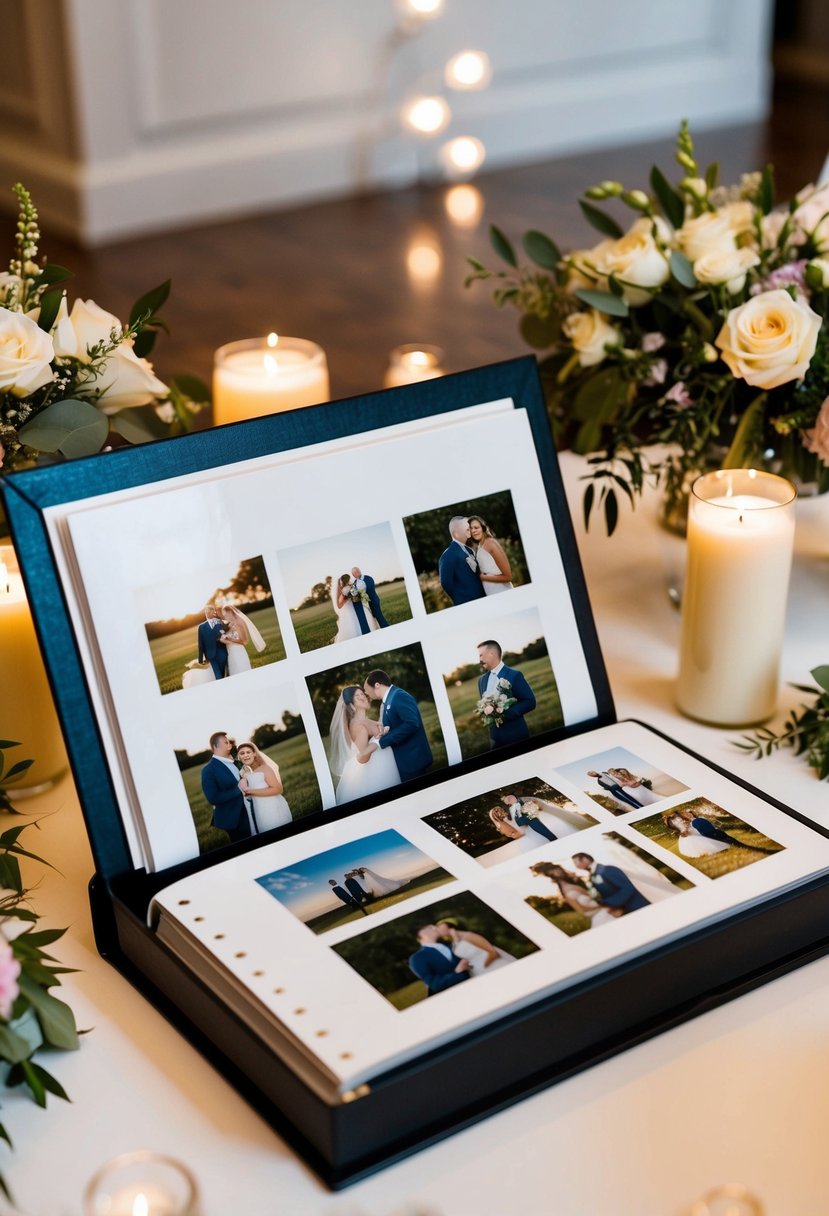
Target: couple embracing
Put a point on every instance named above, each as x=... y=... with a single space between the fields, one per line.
x=366 y=754
x=357 y=605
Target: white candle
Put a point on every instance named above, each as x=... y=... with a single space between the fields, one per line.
x=411 y=363
x=142 y=1184
x=740 y=540
x=259 y=376
x=27 y=713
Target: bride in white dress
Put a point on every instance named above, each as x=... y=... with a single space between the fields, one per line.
x=575 y=893
x=359 y=767
x=377 y=885
x=348 y=623
x=692 y=843
x=481 y=955
x=237 y=631
x=270 y=809
x=525 y=839
x=493 y=564
x=635 y=786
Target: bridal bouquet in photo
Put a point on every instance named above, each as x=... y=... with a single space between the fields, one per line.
x=69 y=378
x=492 y=706
x=702 y=326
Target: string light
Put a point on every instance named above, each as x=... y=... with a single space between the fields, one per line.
x=427 y=115
x=462 y=155
x=464 y=205
x=468 y=70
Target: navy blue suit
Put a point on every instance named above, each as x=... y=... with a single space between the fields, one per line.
x=357 y=892
x=211 y=649
x=616 y=890
x=460 y=583
x=348 y=900
x=706 y=828
x=222 y=791
x=513 y=728
x=435 y=969
x=374 y=600
x=407 y=734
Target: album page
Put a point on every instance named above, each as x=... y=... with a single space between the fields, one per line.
x=354 y=946
x=285 y=636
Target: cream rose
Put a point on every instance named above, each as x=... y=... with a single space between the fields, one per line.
x=124 y=380
x=589 y=333
x=635 y=260
x=812 y=216
x=715 y=231
x=583 y=266
x=728 y=266
x=770 y=339
x=817 y=439
x=25 y=354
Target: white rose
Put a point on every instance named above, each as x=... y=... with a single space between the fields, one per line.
x=88 y=326
x=25 y=354
x=770 y=339
x=812 y=215
x=589 y=333
x=636 y=261
x=715 y=231
x=583 y=266
x=727 y=266
x=817 y=440
x=124 y=379
x=771 y=226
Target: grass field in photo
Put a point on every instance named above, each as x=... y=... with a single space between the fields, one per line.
x=753 y=845
x=316 y=626
x=172 y=653
x=473 y=733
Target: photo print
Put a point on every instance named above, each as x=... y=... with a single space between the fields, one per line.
x=355 y=879
x=467 y=550
x=509 y=821
x=378 y=721
x=499 y=681
x=621 y=782
x=709 y=838
x=422 y=954
x=608 y=880
x=342 y=587
x=208 y=626
x=246 y=767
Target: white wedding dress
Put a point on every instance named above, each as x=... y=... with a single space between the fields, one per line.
x=642 y=794
x=488 y=565
x=596 y=916
x=376 y=884
x=348 y=623
x=271 y=812
x=476 y=957
x=695 y=845
x=238 y=659
x=194 y=676
x=358 y=780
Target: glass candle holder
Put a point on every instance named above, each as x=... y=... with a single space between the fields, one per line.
x=142 y=1184
x=27 y=712
x=413 y=362
x=740 y=541
x=259 y=376
x=731 y=1199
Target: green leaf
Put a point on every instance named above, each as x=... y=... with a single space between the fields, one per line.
x=541 y=250
x=596 y=405
x=672 y=203
x=587 y=504
x=13 y=1047
x=600 y=220
x=74 y=428
x=56 y=1018
x=746 y=436
x=712 y=174
x=611 y=512
x=682 y=270
x=538 y=332
x=502 y=246
x=604 y=301
x=821 y=676
x=34 y=1082
x=139 y=424
x=10 y=877
x=150 y=303
x=192 y=387
x=52 y=274
x=765 y=196
x=49 y=309
x=143 y=343
x=5 y=744
x=17 y=769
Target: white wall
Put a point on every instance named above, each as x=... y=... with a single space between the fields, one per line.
x=125 y=117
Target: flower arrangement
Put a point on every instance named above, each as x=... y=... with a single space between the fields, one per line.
x=31 y=1017
x=492 y=706
x=702 y=327
x=69 y=379
x=806 y=731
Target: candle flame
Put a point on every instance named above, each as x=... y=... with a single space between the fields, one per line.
x=140 y=1205
x=272 y=340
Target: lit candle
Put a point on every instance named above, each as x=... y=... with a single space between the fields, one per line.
x=260 y=376
x=142 y=1184
x=409 y=364
x=740 y=540
x=27 y=714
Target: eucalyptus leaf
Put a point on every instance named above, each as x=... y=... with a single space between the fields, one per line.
x=672 y=203
x=541 y=250
x=682 y=269
x=74 y=428
x=139 y=424
x=821 y=676
x=56 y=1018
x=600 y=220
x=192 y=387
x=13 y=1047
x=604 y=301
x=502 y=245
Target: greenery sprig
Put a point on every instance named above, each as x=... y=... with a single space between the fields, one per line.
x=806 y=730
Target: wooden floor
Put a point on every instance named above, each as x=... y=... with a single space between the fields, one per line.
x=340 y=272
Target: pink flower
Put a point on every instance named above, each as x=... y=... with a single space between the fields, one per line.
x=817 y=439
x=678 y=393
x=792 y=274
x=658 y=372
x=9 y=971
x=652 y=341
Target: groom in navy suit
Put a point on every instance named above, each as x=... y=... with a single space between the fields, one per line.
x=210 y=645
x=513 y=727
x=615 y=889
x=457 y=567
x=406 y=734
x=364 y=582
x=435 y=963
x=224 y=787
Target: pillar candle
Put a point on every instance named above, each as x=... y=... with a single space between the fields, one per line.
x=740 y=540
x=411 y=363
x=258 y=376
x=27 y=714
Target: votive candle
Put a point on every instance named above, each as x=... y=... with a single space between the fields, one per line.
x=411 y=363
x=740 y=540
x=258 y=376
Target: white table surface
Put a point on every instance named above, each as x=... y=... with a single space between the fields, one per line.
x=739 y=1094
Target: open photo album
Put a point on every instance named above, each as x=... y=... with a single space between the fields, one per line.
x=344 y=740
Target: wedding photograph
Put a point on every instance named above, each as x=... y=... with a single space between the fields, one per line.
x=424 y=953
x=608 y=880
x=500 y=682
x=210 y=626
x=467 y=550
x=506 y=822
x=709 y=838
x=344 y=586
x=247 y=771
x=621 y=782
x=354 y=880
x=378 y=722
